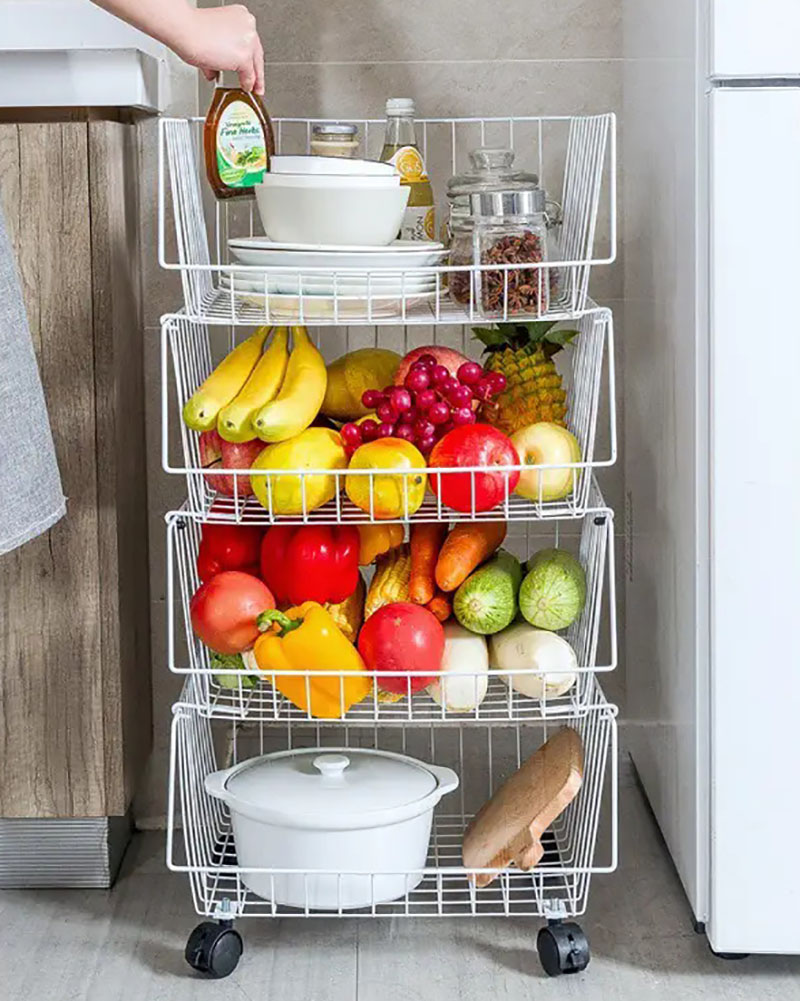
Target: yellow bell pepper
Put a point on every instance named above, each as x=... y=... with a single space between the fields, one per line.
x=309 y=640
x=378 y=539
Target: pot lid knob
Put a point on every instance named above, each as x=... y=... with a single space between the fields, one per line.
x=331 y=765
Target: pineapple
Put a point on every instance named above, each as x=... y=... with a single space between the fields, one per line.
x=523 y=353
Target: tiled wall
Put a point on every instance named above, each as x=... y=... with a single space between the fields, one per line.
x=456 y=58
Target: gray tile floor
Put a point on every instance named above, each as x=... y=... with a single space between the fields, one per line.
x=127 y=944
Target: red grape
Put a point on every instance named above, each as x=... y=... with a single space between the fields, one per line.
x=418 y=366
x=417 y=381
x=470 y=373
x=372 y=398
x=423 y=428
x=426 y=444
x=463 y=415
x=351 y=434
x=461 y=396
x=386 y=413
x=427 y=360
x=369 y=430
x=449 y=384
x=483 y=390
x=497 y=381
x=404 y=431
x=400 y=399
x=425 y=398
x=385 y=430
x=439 y=374
x=410 y=415
x=439 y=413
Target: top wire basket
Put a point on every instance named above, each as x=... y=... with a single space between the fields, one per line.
x=575 y=157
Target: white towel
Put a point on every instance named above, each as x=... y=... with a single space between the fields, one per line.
x=31 y=498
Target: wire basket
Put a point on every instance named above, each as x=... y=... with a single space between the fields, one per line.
x=482 y=756
x=575 y=156
x=234 y=698
x=190 y=350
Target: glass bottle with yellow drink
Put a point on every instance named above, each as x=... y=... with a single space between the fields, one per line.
x=400 y=149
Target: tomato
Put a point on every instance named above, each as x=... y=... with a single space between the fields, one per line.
x=402 y=637
x=474 y=445
x=224 y=610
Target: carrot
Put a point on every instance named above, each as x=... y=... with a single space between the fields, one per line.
x=441 y=605
x=426 y=541
x=466 y=547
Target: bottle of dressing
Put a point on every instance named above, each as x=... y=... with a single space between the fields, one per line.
x=237 y=141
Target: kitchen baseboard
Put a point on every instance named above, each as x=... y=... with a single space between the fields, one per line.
x=77 y=852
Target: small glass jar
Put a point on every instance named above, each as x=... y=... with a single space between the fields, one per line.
x=503 y=227
x=336 y=139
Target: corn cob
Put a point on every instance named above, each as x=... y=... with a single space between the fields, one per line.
x=349 y=614
x=390 y=583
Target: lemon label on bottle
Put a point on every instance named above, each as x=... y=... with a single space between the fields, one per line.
x=241 y=147
x=419 y=223
x=408 y=163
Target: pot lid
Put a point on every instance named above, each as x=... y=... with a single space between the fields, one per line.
x=318 y=783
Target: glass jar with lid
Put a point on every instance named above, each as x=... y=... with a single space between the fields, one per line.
x=492 y=169
x=504 y=228
x=335 y=139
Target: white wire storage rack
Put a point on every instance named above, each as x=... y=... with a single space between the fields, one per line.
x=483 y=755
x=190 y=349
x=575 y=157
x=234 y=698
x=218 y=724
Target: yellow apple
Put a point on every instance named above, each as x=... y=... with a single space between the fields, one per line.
x=545 y=444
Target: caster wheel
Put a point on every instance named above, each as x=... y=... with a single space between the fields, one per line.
x=562 y=948
x=214 y=949
x=728 y=955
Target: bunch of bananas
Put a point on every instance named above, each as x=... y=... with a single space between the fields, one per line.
x=262 y=392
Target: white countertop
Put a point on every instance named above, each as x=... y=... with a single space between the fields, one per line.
x=69 y=53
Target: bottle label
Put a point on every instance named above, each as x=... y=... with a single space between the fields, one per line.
x=241 y=147
x=408 y=163
x=419 y=223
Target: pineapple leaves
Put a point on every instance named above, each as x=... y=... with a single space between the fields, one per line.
x=518 y=335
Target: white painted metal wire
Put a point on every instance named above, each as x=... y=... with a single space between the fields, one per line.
x=482 y=756
x=575 y=156
x=190 y=350
x=594 y=547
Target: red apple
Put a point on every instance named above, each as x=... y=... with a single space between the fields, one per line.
x=473 y=445
x=216 y=453
x=444 y=356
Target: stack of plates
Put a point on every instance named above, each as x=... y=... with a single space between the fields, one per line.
x=351 y=275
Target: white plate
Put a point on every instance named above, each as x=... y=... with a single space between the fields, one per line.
x=401 y=255
x=287 y=307
x=314 y=285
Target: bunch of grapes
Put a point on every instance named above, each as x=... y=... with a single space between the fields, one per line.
x=430 y=403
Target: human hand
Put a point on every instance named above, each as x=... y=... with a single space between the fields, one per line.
x=224 y=38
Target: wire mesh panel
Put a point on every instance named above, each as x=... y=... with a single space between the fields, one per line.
x=483 y=757
x=240 y=694
x=576 y=161
x=222 y=493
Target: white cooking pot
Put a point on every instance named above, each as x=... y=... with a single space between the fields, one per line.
x=361 y=816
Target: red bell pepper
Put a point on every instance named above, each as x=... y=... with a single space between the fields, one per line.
x=310 y=562
x=229 y=547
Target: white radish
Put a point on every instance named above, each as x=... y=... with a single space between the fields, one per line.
x=522 y=647
x=465 y=653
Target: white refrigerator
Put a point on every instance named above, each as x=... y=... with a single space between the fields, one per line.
x=711 y=208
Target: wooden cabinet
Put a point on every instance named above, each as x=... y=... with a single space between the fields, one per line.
x=75 y=709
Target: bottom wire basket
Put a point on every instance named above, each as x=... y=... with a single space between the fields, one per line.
x=482 y=756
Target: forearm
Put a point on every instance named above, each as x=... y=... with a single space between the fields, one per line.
x=168 y=21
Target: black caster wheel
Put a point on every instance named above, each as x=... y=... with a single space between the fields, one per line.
x=729 y=955
x=214 y=949
x=562 y=948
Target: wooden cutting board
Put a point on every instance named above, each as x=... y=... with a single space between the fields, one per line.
x=508 y=828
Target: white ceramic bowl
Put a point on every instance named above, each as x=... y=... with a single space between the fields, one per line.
x=328 y=215
x=330 y=181
x=329 y=165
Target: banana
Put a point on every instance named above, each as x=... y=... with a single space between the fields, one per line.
x=200 y=412
x=234 y=421
x=301 y=395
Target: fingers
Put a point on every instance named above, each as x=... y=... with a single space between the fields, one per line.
x=247 y=76
x=210 y=75
x=259 y=66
